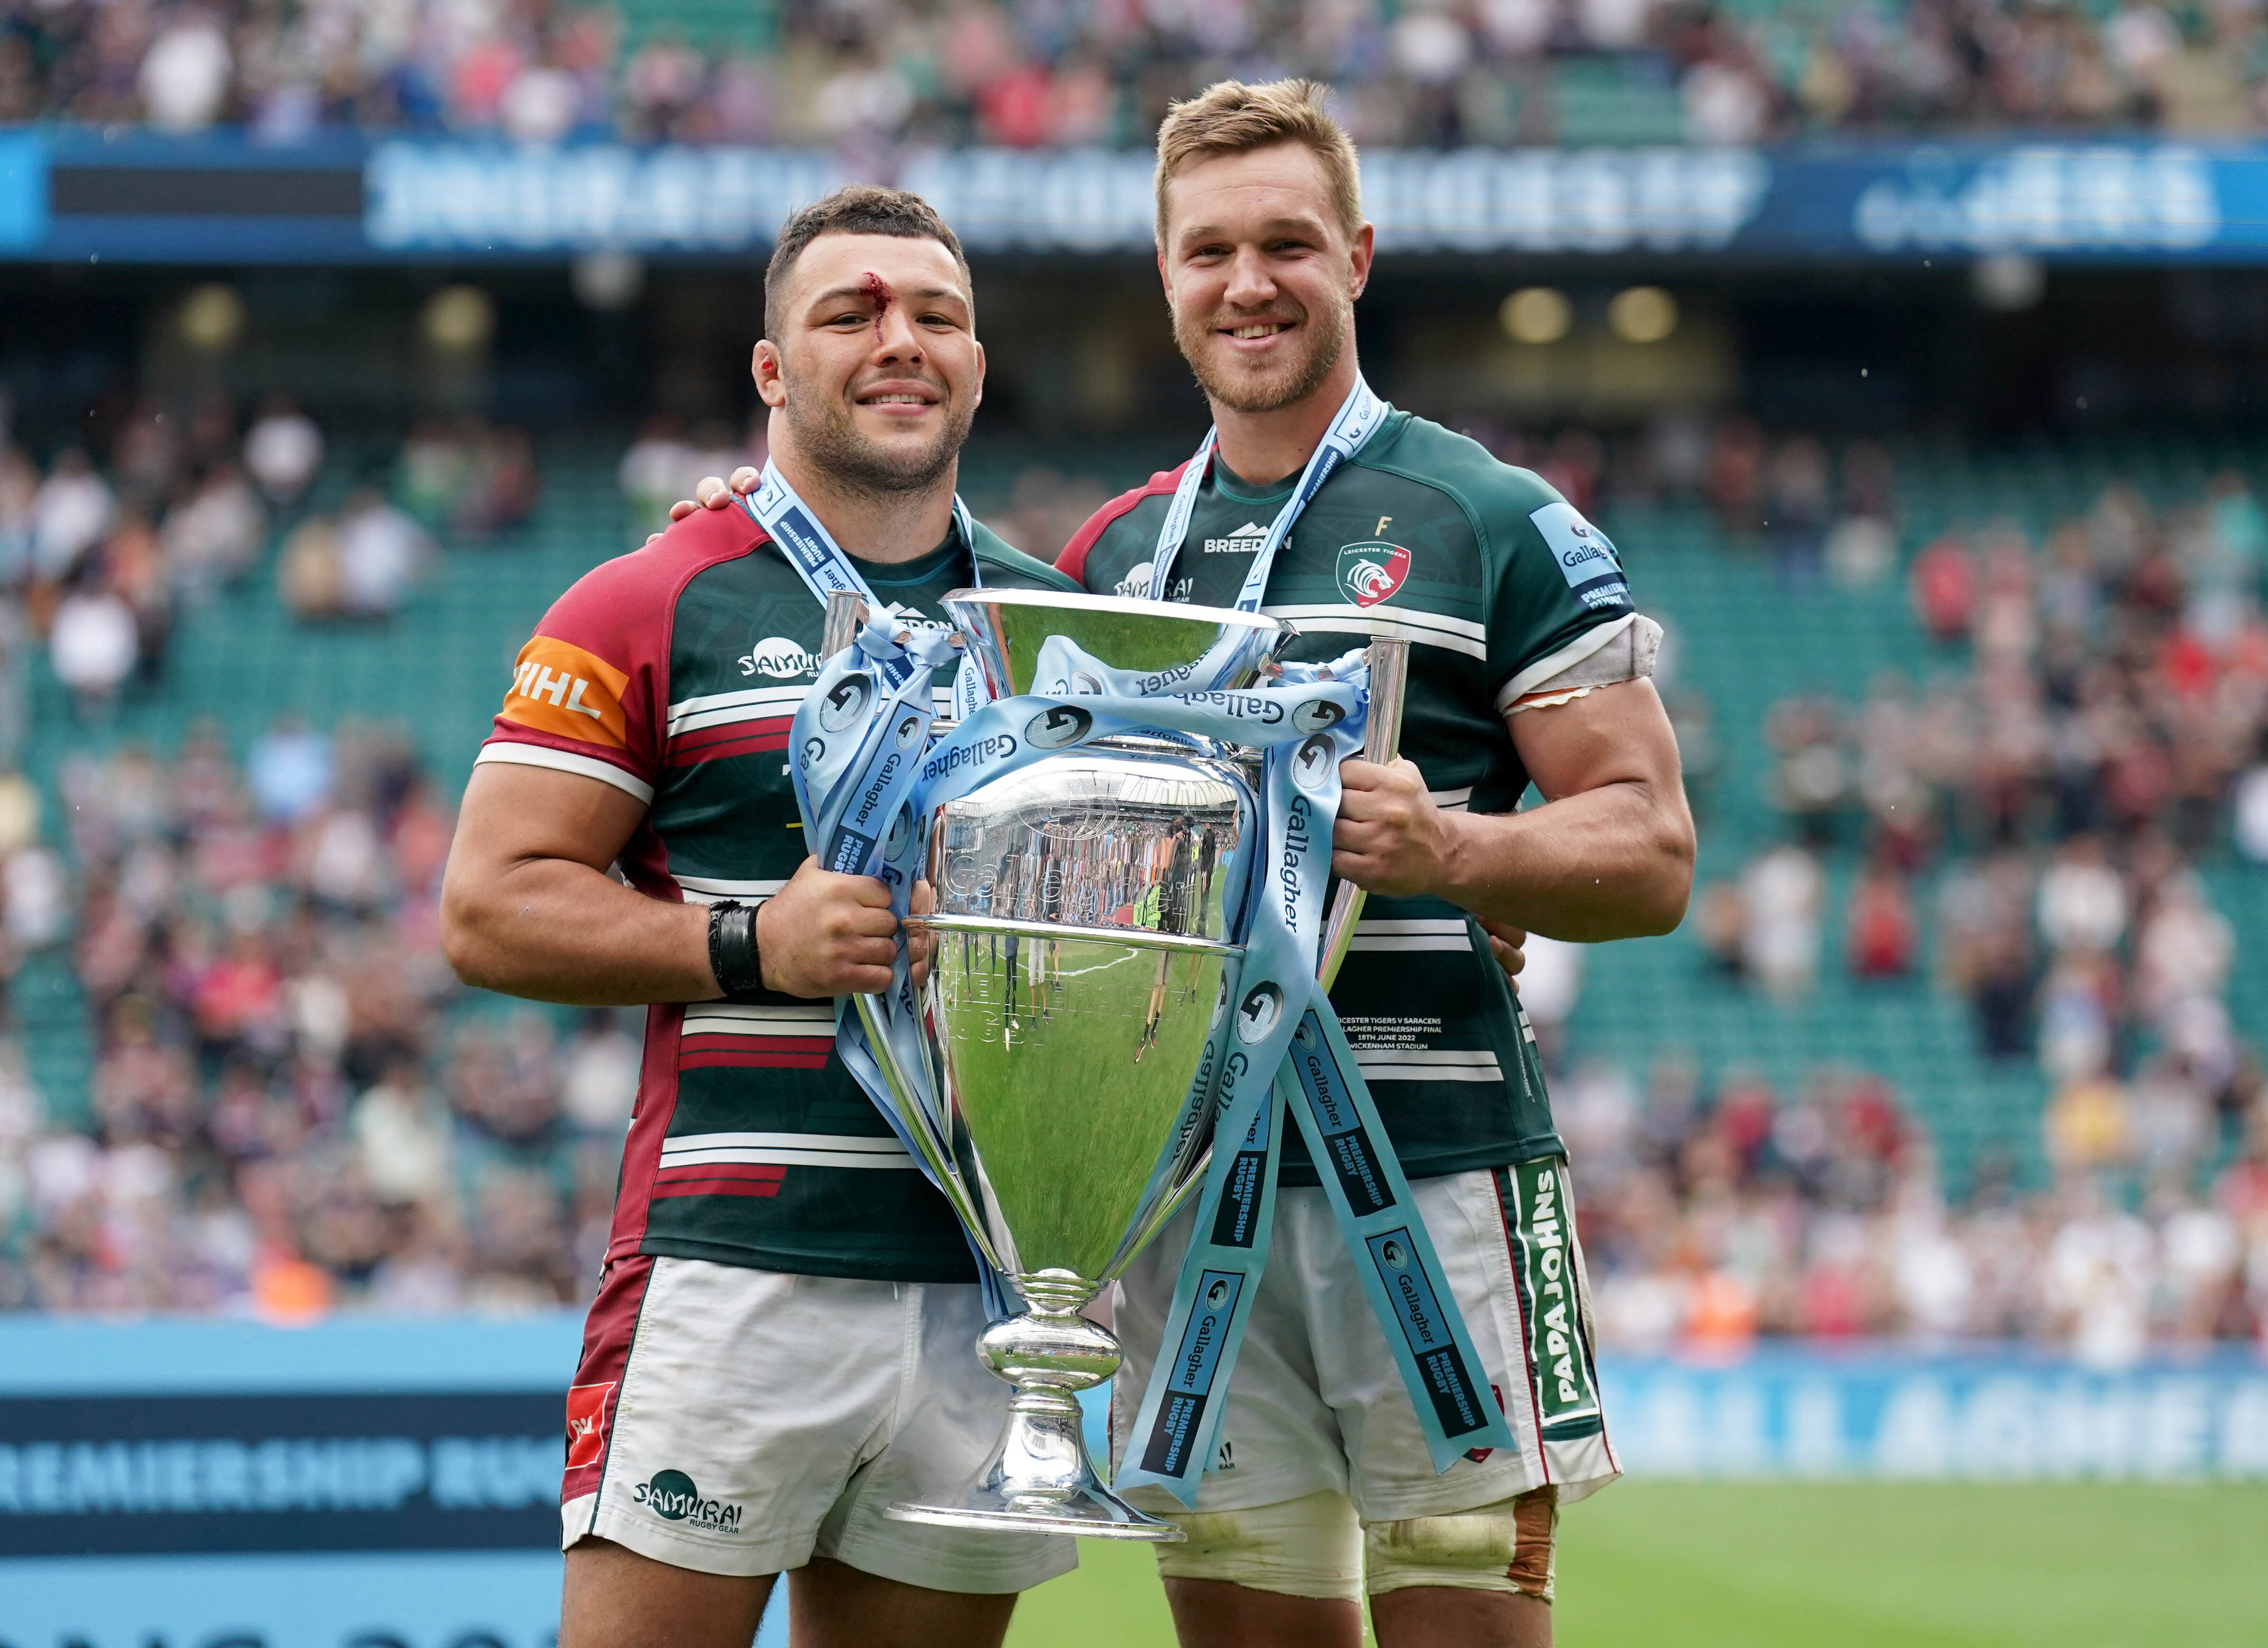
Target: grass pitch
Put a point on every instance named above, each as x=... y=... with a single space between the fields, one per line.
x=1835 y=1565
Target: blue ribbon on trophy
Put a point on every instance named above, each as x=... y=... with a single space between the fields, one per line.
x=1278 y=1046
x=859 y=737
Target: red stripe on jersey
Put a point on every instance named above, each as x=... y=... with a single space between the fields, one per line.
x=650 y=1119
x=753 y=1172
x=607 y=1334
x=1073 y=561
x=735 y=1059
x=744 y=1044
x=623 y=614
x=724 y=732
x=755 y=746
x=718 y=1187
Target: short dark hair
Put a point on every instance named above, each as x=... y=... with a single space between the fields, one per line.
x=854 y=208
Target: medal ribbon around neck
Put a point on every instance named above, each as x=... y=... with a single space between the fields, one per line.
x=811 y=549
x=1359 y=416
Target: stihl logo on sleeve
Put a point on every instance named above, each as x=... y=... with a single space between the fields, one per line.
x=587 y=1423
x=562 y=690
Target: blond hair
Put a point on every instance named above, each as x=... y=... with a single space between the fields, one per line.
x=1230 y=117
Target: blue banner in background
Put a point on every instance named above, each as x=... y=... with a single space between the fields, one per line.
x=72 y=193
x=23 y=191
x=2003 y=1415
x=393 y=1483
x=362 y=1483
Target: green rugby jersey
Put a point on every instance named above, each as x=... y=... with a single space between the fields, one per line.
x=1498 y=584
x=673 y=673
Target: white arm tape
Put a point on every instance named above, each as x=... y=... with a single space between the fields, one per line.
x=1628 y=656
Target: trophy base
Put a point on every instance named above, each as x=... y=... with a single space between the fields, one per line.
x=1039 y=1479
x=1095 y=1513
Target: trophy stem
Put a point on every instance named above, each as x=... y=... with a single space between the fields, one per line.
x=1039 y=1480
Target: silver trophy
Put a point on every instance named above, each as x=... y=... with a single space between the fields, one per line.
x=1084 y=936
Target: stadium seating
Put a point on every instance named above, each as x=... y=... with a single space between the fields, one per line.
x=244 y=661
x=1743 y=638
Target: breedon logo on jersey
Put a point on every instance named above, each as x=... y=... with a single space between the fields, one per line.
x=1370 y=572
x=1246 y=540
x=672 y=1496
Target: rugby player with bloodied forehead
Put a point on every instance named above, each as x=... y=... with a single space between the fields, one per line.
x=1528 y=665
x=780 y=1343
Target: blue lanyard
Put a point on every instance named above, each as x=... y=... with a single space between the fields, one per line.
x=811 y=549
x=1359 y=414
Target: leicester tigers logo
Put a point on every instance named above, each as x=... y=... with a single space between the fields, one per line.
x=1370 y=572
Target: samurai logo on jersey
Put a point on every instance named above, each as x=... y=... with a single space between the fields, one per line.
x=1246 y=540
x=778 y=658
x=672 y=1496
x=1136 y=584
x=1543 y=1236
x=1370 y=572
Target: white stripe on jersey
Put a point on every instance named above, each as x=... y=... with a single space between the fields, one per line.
x=716 y=709
x=1406 y=1065
x=1452 y=800
x=1411 y=935
x=566 y=762
x=733 y=1018
x=1455 y=635
x=709 y=889
x=792 y=1150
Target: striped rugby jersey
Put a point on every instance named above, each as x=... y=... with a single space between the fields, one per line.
x=673 y=673
x=1498 y=584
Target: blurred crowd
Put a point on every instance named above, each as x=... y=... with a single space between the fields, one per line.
x=97 y=561
x=1711 y=1216
x=1033 y=72
x=2035 y=820
x=2042 y=813
x=290 y=1112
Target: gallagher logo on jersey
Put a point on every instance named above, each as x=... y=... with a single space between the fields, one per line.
x=1370 y=572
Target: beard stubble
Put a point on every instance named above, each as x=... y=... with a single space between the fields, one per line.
x=1327 y=329
x=826 y=435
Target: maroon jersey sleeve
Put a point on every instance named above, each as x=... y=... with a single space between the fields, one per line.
x=1072 y=561
x=590 y=691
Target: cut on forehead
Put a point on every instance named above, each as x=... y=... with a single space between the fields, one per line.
x=834 y=266
x=858 y=210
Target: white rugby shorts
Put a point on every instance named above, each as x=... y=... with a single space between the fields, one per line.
x=737 y=1421
x=1317 y=1402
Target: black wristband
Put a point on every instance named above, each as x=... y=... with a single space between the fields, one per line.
x=733 y=948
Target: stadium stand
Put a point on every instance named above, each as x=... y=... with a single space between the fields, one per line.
x=246 y=1081
x=1503 y=72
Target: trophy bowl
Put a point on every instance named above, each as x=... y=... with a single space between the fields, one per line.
x=1084 y=920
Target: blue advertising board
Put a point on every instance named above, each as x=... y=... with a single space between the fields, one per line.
x=393 y=1483
x=2011 y=1415
x=379 y=1484
x=72 y=193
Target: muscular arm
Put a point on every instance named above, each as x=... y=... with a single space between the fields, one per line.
x=528 y=909
x=1609 y=855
